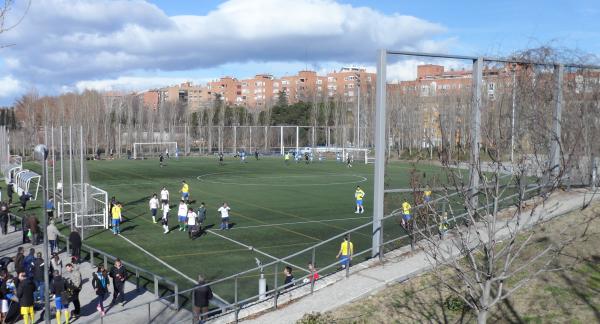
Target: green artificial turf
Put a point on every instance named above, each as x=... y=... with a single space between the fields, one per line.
x=276 y=208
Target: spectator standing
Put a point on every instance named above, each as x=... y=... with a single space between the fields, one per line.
x=61 y=296
x=38 y=275
x=288 y=281
x=24 y=198
x=100 y=283
x=50 y=208
x=29 y=262
x=19 y=260
x=52 y=233
x=56 y=264
x=118 y=273
x=346 y=252
x=9 y=191
x=25 y=291
x=202 y=296
x=74 y=281
x=34 y=229
x=314 y=274
x=75 y=242
x=4 y=217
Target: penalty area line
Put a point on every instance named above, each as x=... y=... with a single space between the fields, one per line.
x=221 y=300
x=299 y=223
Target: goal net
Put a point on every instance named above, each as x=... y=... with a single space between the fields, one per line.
x=341 y=154
x=88 y=207
x=154 y=149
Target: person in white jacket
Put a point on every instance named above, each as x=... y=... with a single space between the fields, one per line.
x=52 y=233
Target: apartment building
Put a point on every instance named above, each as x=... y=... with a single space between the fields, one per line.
x=227 y=89
x=346 y=82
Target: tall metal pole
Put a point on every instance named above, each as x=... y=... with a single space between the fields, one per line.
x=41 y=154
x=358 y=117
x=556 y=119
x=53 y=156
x=475 y=130
x=62 y=177
x=281 y=139
x=71 y=209
x=378 y=190
x=512 y=119
x=83 y=189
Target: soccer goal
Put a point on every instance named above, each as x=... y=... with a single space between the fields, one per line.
x=341 y=154
x=89 y=207
x=153 y=149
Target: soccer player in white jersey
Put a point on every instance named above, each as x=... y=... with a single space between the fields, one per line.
x=224 y=210
x=153 y=204
x=164 y=196
x=182 y=215
x=165 y=218
x=192 y=223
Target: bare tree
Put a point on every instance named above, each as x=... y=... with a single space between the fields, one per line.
x=483 y=251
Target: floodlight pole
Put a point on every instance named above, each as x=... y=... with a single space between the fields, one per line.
x=41 y=154
x=378 y=190
x=475 y=130
x=556 y=127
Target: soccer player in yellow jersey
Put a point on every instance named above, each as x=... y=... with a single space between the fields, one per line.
x=406 y=216
x=346 y=252
x=185 y=191
x=116 y=218
x=359 y=195
x=427 y=195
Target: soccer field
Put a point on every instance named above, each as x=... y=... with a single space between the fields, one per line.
x=276 y=208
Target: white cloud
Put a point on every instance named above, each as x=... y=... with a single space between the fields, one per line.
x=9 y=86
x=131 y=83
x=62 y=42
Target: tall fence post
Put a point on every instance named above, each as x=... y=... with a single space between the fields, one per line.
x=176 y=290
x=137 y=279
x=312 y=273
x=156 y=286
x=281 y=139
x=556 y=119
x=475 y=130
x=276 y=290
x=378 y=191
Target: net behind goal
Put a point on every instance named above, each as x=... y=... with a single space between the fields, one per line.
x=154 y=149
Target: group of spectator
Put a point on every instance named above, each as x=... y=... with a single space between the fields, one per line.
x=22 y=291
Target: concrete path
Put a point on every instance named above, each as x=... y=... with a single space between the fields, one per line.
x=158 y=312
x=371 y=276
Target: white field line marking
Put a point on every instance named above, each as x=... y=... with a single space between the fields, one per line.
x=202 y=178
x=251 y=248
x=167 y=265
x=306 y=222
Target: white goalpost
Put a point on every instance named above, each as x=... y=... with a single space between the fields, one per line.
x=362 y=155
x=154 y=149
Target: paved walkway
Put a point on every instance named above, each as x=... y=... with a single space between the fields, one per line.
x=158 y=312
x=400 y=265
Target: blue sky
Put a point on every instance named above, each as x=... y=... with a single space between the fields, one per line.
x=71 y=45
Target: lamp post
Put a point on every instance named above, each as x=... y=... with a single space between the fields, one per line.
x=512 y=119
x=358 y=113
x=40 y=153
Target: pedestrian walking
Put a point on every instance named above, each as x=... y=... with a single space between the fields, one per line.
x=202 y=296
x=24 y=198
x=34 y=229
x=50 y=208
x=100 y=283
x=118 y=273
x=10 y=189
x=19 y=260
